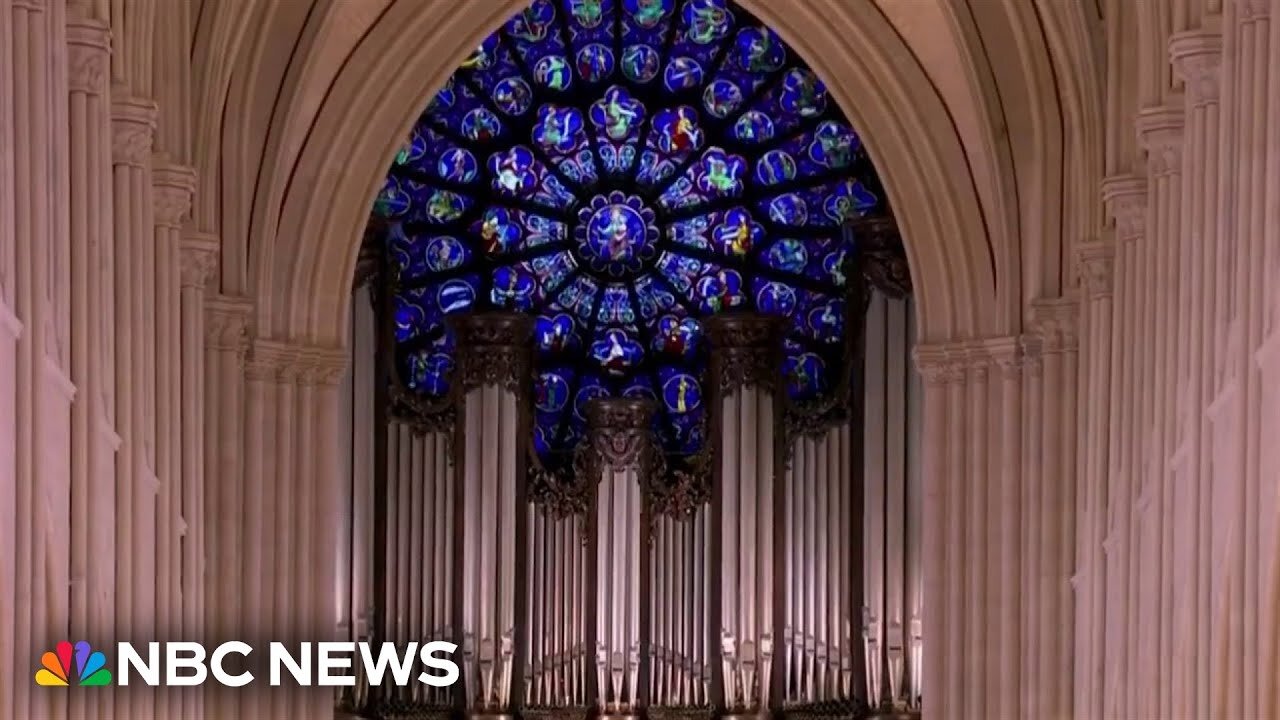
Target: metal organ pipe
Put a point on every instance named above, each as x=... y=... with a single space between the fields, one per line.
x=493 y=364
x=556 y=563
x=621 y=452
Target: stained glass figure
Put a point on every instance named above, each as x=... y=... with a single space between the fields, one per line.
x=620 y=170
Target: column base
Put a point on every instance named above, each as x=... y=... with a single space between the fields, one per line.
x=488 y=715
x=759 y=715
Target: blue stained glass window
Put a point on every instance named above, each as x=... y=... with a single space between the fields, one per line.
x=621 y=170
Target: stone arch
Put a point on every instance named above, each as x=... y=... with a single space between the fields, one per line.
x=305 y=272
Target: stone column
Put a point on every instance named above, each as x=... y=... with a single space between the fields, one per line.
x=942 y=367
x=1244 y=69
x=493 y=354
x=93 y=438
x=133 y=125
x=745 y=372
x=171 y=192
x=1053 y=518
x=1096 y=263
x=10 y=331
x=226 y=343
x=291 y=500
x=1266 y=358
x=1126 y=199
x=198 y=258
x=1203 y=281
x=1007 y=505
x=33 y=135
x=1161 y=132
x=622 y=455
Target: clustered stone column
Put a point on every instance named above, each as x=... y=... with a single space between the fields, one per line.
x=10 y=332
x=133 y=124
x=290 y=498
x=38 y=401
x=198 y=257
x=226 y=345
x=1126 y=198
x=622 y=457
x=744 y=370
x=93 y=438
x=1187 y=518
x=998 y=470
x=171 y=193
x=493 y=368
x=1096 y=261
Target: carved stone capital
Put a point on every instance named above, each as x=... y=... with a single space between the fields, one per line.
x=321 y=366
x=1055 y=322
x=745 y=350
x=1160 y=133
x=172 y=188
x=295 y=363
x=133 y=128
x=493 y=349
x=1197 y=59
x=1253 y=10
x=620 y=431
x=199 y=258
x=1005 y=355
x=1032 y=349
x=88 y=55
x=1096 y=260
x=942 y=364
x=272 y=361
x=227 y=323
x=1126 y=199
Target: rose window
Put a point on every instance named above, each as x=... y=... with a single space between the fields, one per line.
x=621 y=170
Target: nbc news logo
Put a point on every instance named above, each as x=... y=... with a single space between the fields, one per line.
x=90 y=666
x=184 y=664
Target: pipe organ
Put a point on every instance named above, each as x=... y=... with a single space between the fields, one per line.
x=778 y=574
x=744 y=369
x=493 y=359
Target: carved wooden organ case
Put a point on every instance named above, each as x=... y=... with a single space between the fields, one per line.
x=625 y=582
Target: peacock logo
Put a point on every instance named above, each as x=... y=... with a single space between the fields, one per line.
x=90 y=666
